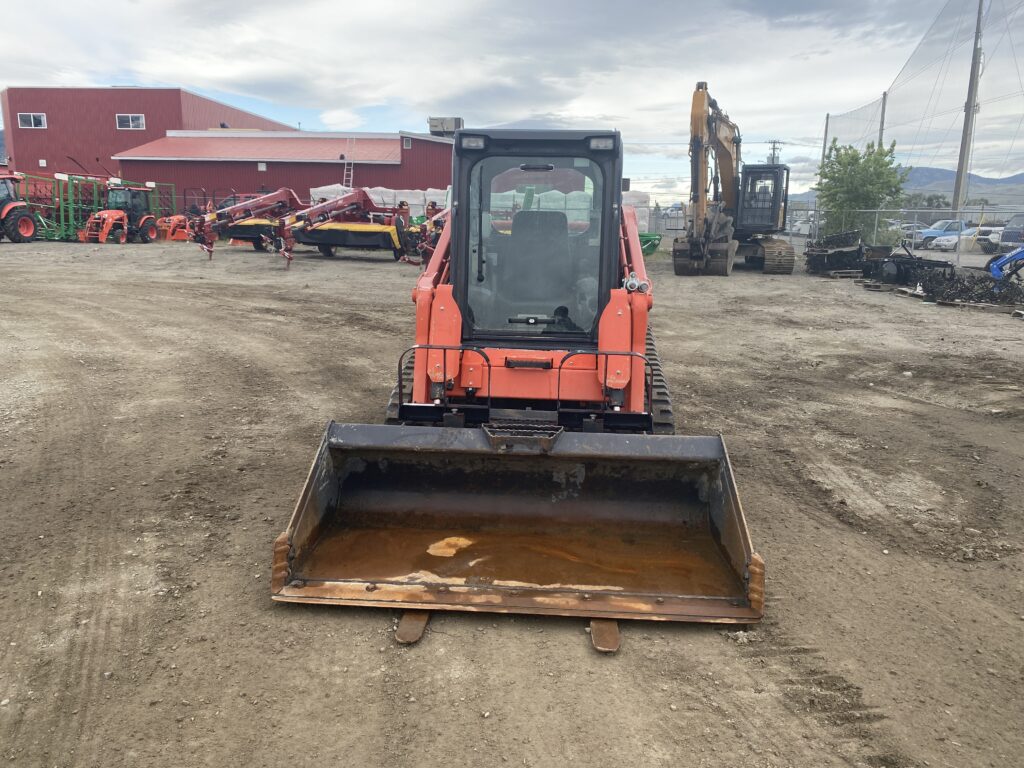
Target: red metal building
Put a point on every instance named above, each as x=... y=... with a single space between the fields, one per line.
x=215 y=164
x=77 y=130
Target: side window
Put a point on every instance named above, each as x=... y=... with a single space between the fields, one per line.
x=31 y=119
x=131 y=122
x=760 y=191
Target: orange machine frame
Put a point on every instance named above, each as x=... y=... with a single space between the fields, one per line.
x=619 y=363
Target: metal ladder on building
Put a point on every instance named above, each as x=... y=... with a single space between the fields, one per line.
x=348 y=169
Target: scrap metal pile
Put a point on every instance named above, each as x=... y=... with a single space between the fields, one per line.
x=843 y=250
x=972 y=287
x=901 y=267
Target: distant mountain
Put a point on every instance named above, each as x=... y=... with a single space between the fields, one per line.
x=1005 y=191
x=1008 y=190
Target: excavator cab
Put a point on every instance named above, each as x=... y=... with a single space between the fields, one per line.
x=528 y=463
x=763 y=197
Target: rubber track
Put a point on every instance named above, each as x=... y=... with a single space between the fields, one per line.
x=408 y=370
x=661 y=399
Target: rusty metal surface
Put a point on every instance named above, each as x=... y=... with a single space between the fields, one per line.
x=599 y=525
x=411 y=626
x=604 y=635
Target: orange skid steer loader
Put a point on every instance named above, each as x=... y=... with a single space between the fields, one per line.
x=528 y=462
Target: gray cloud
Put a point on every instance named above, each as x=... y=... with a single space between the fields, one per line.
x=776 y=67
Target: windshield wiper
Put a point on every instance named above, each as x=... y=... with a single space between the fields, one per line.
x=536 y=167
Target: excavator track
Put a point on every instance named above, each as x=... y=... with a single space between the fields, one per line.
x=661 y=399
x=779 y=256
x=721 y=258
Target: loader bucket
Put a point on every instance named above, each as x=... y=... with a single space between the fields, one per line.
x=580 y=524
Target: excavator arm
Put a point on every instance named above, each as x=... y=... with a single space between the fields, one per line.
x=714 y=186
x=712 y=133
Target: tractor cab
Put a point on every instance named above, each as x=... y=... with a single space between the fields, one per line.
x=134 y=201
x=7 y=190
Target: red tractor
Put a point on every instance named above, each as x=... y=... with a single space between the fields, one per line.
x=17 y=222
x=126 y=217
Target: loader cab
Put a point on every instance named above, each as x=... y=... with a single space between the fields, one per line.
x=764 y=191
x=535 y=247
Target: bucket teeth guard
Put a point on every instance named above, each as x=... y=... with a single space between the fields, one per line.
x=575 y=524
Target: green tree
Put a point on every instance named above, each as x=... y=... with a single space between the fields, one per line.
x=851 y=180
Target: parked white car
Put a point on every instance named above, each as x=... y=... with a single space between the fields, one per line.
x=973 y=239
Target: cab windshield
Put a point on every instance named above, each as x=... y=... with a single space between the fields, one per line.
x=118 y=199
x=6 y=190
x=534 y=245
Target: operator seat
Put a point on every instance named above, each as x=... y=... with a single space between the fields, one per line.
x=539 y=269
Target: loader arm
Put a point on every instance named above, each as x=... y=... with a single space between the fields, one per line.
x=1010 y=265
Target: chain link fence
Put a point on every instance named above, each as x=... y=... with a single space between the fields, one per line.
x=968 y=237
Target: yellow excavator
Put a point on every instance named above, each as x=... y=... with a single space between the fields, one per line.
x=733 y=212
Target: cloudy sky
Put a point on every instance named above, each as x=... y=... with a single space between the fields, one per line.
x=776 y=67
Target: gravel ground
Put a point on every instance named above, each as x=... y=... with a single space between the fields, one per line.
x=158 y=413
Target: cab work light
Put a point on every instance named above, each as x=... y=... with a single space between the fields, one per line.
x=602 y=142
x=472 y=142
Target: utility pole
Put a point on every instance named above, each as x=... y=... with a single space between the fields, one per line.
x=824 y=145
x=970 y=112
x=881 y=120
x=773 y=153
